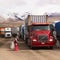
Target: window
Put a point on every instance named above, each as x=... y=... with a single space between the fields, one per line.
x=41 y=27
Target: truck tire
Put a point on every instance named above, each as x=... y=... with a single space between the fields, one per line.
x=26 y=40
x=28 y=43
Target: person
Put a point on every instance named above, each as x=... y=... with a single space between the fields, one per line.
x=15 y=41
x=16 y=44
x=12 y=45
x=17 y=36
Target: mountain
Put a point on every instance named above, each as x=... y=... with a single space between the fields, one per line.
x=2 y=19
x=53 y=14
x=10 y=18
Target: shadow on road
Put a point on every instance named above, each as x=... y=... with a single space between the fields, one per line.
x=23 y=46
x=5 y=43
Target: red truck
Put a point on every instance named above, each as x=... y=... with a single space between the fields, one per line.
x=38 y=32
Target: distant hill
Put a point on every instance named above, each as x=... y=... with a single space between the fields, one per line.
x=2 y=19
x=10 y=22
x=53 y=14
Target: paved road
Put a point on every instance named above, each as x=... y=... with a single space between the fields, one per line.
x=26 y=53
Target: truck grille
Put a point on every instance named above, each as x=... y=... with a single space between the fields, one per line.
x=8 y=34
x=42 y=38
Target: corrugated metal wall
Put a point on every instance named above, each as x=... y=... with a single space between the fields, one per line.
x=36 y=19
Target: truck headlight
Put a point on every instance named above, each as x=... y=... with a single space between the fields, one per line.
x=34 y=40
x=51 y=40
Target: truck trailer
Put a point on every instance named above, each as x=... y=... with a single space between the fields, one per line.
x=21 y=31
x=38 y=32
x=57 y=29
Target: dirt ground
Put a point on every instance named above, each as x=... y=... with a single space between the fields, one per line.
x=25 y=53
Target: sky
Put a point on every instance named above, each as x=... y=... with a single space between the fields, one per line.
x=32 y=6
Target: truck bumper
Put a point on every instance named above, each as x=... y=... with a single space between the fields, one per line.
x=42 y=44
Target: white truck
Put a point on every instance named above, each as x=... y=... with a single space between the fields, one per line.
x=8 y=32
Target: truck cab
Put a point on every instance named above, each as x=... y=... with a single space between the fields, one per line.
x=40 y=35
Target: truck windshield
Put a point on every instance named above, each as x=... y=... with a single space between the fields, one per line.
x=41 y=27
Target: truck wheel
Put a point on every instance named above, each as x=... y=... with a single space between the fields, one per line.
x=28 y=43
x=25 y=40
x=31 y=47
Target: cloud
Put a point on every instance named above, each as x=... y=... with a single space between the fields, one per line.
x=33 y=6
x=47 y=2
x=11 y=3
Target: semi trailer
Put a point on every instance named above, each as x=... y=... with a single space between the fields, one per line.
x=21 y=31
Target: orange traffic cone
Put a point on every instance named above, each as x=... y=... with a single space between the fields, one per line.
x=16 y=47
